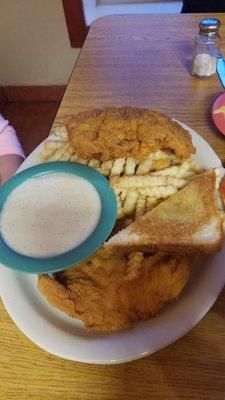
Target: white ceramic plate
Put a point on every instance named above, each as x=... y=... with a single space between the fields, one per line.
x=65 y=337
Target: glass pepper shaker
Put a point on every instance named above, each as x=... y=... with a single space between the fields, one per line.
x=207 y=43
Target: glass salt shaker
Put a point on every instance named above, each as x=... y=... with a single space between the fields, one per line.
x=207 y=43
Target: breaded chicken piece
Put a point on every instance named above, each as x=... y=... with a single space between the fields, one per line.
x=110 y=291
x=111 y=133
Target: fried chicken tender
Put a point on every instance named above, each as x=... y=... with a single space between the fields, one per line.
x=112 y=133
x=109 y=291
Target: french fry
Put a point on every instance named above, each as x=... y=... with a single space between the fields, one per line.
x=118 y=165
x=105 y=168
x=130 y=166
x=162 y=163
x=150 y=203
x=158 y=191
x=94 y=163
x=142 y=181
x=50 y=146
x=219 y=201
x=188 y=174
x=68 y=153
x=194 y=165
x=183 y=169
x=120 y=213
x=60 y=131
x=60 y=151
x=170 y=171
x=123 y=195
x=74 y=158
x=180 y=171
x=145 y=166
x=160 y=155
x=219 y=175
x=130 y=202
x=82 y=161
x=140 y=207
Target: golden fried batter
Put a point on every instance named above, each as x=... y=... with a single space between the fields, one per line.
x=110 y=133
x=110 y=291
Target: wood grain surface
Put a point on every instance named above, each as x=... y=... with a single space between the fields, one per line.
x=139 y=61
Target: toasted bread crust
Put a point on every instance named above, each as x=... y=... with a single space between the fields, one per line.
x=110 y=133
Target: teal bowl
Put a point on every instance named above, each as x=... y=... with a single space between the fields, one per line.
x=17 y=261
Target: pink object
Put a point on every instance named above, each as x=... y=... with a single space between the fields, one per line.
x=9 y=143
x=218 y=113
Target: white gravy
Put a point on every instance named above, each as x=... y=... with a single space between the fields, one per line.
x=49 y=215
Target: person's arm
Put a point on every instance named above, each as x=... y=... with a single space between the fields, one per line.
x=9 y=163
x=11 y=152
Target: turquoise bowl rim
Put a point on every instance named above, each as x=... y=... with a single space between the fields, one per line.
x=19 y=262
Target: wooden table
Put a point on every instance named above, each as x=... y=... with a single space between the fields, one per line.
x=139 y=61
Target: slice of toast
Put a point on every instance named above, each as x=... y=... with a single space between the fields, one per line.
x=187 y=222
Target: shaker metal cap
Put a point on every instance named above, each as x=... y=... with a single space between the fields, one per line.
x=209 y=26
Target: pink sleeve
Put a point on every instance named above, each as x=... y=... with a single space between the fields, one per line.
x=9 y=143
